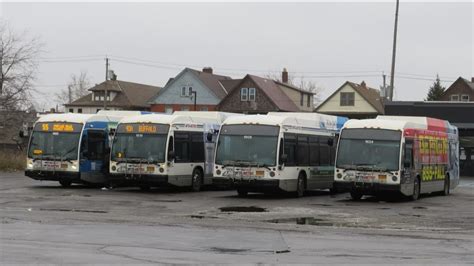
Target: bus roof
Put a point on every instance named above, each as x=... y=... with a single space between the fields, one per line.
x=403 y=122
x=106 y=116
x=180 y=117
x=291 y=119
x=322 y=118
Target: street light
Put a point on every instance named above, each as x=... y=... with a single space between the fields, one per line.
x=193 y=95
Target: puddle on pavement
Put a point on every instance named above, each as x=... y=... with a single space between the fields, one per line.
x=72 y=210
x=420 y=207
x=242 y=209
x=229 y=250
x=168 y=200
x=203 y=216
x=303 y=220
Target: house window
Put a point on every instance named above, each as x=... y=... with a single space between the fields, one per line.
x=168 y=109
x=79 y=110
x=454 y=97
x=244 y=94
x=252 y=94
x=190 y=90
x=465 y=98
x=183 y=91
x=308 y=102
x=302 y=99
x=71 y=110
x=347 y=99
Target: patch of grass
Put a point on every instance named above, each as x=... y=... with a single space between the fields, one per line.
x=11 y=161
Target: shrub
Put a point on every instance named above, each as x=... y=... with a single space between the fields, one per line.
x=12 y=161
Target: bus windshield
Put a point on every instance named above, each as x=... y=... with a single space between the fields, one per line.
x=369 y=149
x=247 y=145
x=137 y=143
x=59 y=146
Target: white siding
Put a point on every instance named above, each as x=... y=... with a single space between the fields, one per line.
x=333 y=104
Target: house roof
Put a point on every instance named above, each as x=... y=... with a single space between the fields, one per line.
x=468 y=82
x=212 y=81
x=129 y=94
x=371 y=95
x=230 y=84
x=293 y=87
x=275 y=93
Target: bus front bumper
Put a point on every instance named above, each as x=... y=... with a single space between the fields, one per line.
x=366 y=187
x=137 y=179
x=251 y=185
x=74 y=177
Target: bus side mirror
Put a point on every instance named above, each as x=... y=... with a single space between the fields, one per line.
x=330 y=142
x=283 y=158
x=209 y=136
x=171 y=155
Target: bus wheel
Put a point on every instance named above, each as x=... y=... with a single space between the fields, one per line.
x=65 y=183
x=355 y=195
x=416 y=189
x=446 y=186
x=196 y=180
x=242 y=192
x=300 y=186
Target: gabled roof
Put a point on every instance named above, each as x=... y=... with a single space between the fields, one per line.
x=129 y=94
x=469 y=83
x=274 y=93
x=290 y=86
x=212 y=81
x=371 y=95
x=230 y=84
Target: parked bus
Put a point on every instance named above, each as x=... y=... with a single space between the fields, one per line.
x=160 y=149
x=72 y=148
x=290 y=152
x=408 y=155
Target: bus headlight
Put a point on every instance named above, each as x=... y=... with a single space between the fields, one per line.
x=161 y=169
x=218 y=172
x=272 y=174
x=339 y=176
x=394 y=178
x=74 y=167
x=114 y=168
x=30 y=165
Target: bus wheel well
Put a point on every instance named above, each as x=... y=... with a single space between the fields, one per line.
x=303 y=174
x=199 y=168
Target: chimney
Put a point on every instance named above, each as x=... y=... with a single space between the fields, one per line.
x=363 y=84
x=284 y=76
x=207 y=70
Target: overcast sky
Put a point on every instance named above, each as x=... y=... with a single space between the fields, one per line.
x=328 y=43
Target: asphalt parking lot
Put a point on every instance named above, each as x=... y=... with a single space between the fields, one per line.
x=44 y=223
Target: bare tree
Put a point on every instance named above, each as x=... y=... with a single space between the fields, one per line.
x=18 y=67
x=77 y=87
x=302 y=83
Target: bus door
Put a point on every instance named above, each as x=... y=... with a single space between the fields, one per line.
x=94 y=155
x=408 y=166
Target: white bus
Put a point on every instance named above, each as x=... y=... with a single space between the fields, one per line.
x=160 y=149
x=290 y=152
x=72 y=148
x=407 y=155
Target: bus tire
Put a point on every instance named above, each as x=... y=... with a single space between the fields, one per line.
x=300 y=185
x=416 y=189
x=65 y=183
x=446 y=186
x=356 y=195
x=242 y=192
x=196 y=182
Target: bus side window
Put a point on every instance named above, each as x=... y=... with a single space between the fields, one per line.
x=290 y=149
x=324 y=152
x=181 y=147
x=171 y=144
x=332 y=150
x=313 y=151
x=197 y=147
x=302 y=151
x=408 y=157
x=280 y=152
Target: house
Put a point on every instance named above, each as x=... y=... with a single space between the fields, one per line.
x=11 y=123
x=191 y=90
x=257 y=95
x=354 y=101
x=461 y=90
x=121 y=95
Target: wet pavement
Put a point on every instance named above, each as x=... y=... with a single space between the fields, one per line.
x=44 y=223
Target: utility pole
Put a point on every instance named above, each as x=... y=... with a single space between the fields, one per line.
x=394 y=51
x=69 y=93
x=384 y=85
x=106 y=79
